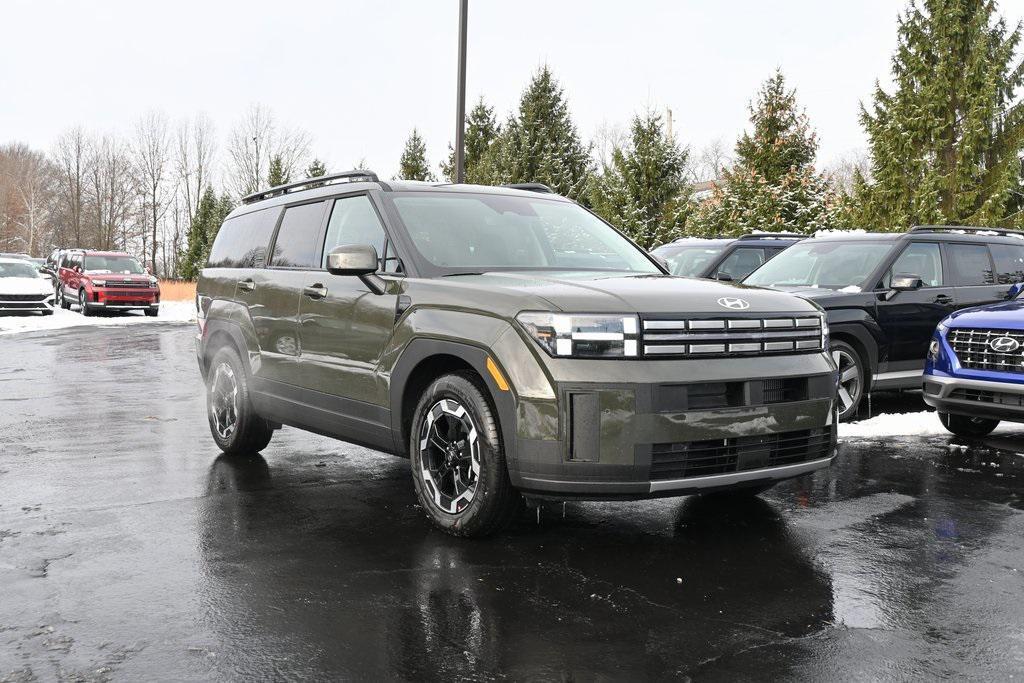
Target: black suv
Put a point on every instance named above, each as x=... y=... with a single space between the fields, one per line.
x=884 y=293
x=724 y=258
x=508 y=342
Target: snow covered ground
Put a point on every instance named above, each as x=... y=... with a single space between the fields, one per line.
x=170 y=311
x=888 y=425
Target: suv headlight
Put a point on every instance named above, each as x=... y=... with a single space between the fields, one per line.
x=153 y=281
x=99 y=283
x=566 y=335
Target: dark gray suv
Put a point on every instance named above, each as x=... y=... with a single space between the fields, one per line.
x=508 y=342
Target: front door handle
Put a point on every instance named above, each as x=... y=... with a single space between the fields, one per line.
x=317 y=291
x=246 y=285
x=943 y=299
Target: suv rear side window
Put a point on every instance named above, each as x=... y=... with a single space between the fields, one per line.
x=297 y=244
x=971 y=264
x=922 y=259
x=354 y=221
x=242 y=241
x=1009 y=260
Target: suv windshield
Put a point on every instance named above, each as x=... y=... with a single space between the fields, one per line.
x=112 y=264
x=472 y=232
x=20 y=269
x=689 y=261
x=833 y=265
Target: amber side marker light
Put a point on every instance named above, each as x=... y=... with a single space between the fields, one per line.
x=499 y=378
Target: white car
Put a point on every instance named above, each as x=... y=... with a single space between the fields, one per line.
x=23 y=289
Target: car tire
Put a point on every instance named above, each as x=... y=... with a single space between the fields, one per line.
x=63 y=300
x=152 y=312
x=49 y=312
x=964 y=425
x=853 y=376
x=458 y=462
x=234 y=424
x=86 y=311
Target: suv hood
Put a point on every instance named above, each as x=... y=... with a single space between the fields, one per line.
x=25 y=285
x=1005 y=314
x=603 y=292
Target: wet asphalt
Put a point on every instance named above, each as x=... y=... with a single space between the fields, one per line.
x=130 y=551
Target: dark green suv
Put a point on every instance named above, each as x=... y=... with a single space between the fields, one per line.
x=508 y=342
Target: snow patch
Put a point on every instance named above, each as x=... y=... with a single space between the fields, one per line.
x=851 y=289
x=170 y=311
x=886 y=425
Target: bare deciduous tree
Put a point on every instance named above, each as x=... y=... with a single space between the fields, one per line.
x=195 y=148
x=711 y=161
x=844 y=169
x=70 y=155
x=151 y=155
x=111 y=191
x=254 y=141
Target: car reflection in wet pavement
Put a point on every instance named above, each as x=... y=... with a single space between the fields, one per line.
x=130 y=550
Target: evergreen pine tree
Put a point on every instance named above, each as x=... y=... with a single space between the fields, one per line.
x=276 y=174
x=945 y=144
x=644 y=191
x=199 y=235
x=413 y=164
x=541 y=144
x=316 y=169
x=773 y=184
x=481 y=131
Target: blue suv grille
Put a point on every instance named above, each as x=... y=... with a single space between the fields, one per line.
x=997 y=350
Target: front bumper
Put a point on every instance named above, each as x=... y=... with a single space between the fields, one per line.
x=975 y=397
x=22 y=306
x=659 y=437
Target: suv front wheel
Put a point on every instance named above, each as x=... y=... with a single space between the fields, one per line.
x=458 y=463
x=235 y=426
x=852 y=379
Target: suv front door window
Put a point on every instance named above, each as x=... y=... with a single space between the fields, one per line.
x=909 y=318
x=343 y=331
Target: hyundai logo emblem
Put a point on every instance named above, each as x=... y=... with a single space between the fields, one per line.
x=1004 y=344
x=733 y=303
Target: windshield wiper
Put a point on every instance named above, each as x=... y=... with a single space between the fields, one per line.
x=460 y=274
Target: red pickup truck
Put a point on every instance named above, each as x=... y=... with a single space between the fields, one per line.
x=105 y=281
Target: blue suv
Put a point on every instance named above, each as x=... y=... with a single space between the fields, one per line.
x=974 y=374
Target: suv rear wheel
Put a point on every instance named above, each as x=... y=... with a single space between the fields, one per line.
x=458 y=463
x=963 y=425
x=852 y=379
x=235 y=426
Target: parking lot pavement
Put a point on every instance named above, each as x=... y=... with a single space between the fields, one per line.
x=129 y=550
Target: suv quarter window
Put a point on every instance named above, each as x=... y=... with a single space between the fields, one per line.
x=923 y=259
x=354 y=220
x=1009 y=261
x=971 y=264
x=242 y=241
x=297 y=244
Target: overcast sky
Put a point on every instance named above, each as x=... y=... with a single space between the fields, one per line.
x=360 y=75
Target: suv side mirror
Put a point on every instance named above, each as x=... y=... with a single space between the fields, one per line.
x=723 y=276
x=357 y=259
x=661 y=261
x=906 y=283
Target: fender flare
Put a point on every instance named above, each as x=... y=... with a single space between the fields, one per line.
x=421 y=349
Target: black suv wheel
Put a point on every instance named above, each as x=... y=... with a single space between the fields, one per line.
x=458 y=464
x=852 y=379
x=963 y=425
x=235 y=426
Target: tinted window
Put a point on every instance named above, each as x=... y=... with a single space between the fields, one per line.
x=741 y=262
x=970 y=264
x=242 y=241
x=690 y=261
x=824 y=263
x=1009 y=260
x=922 y=259
x=297 y=245
x=353 y=221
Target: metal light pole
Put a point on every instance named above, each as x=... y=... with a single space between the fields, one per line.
x=460 y=104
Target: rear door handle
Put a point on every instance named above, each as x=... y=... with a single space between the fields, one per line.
x=317 y=291
x=246 y=285
x=943 y=299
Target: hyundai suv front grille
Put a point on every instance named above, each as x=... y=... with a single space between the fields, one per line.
x=731 y=336
x=999 y=350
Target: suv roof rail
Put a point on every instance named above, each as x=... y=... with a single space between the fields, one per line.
x=530 y=187
x=1004 y=232
x=773 y=236
x=329 y=179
